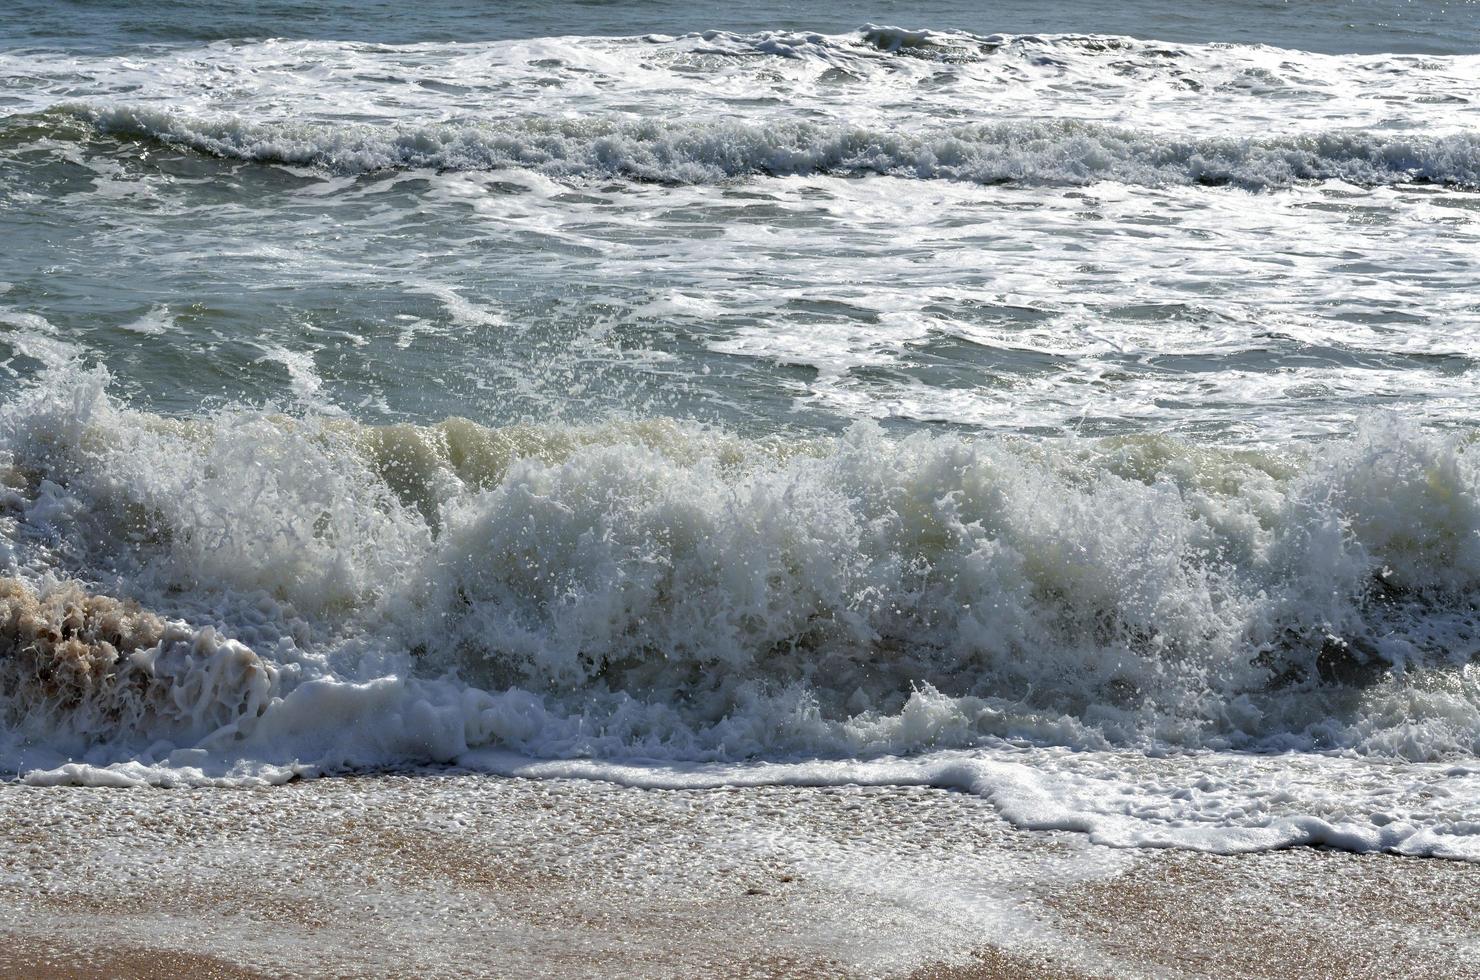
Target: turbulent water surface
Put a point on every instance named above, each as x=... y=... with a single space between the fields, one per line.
x=1083 y=418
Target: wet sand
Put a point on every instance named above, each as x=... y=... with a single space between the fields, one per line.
x=439 y=874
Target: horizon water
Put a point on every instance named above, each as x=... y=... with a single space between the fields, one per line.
x=1075 y=408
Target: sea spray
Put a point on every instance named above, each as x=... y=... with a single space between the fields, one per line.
x=681 y=606
x=686 y=592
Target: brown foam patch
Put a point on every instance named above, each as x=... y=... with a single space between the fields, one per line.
x=98 y=664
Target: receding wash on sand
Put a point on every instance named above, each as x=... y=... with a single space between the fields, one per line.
x=614 y=490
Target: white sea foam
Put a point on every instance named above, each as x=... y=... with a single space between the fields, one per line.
x=912 y=76
x=653 y=590
x=1208 y=312
x=1214 y=802
x=154 y=323
x=705 y=151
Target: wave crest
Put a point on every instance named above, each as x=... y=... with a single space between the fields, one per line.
x=722 y=595
x=1057 y=152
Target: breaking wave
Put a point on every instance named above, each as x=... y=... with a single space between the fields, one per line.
x=877 y=42
x=298 y=595
x=654 y=587
x=696 y=152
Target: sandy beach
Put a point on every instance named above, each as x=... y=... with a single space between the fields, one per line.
x=445 y=874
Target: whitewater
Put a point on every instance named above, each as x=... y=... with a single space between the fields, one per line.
x=1084 y=422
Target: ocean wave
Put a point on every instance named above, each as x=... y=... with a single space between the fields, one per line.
x=723 y=596
x=706 y=151
x=874 y=41
x=301 y=595
x=869 y=43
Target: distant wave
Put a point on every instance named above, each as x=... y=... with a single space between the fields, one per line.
x=706 y=151
x=950 y=47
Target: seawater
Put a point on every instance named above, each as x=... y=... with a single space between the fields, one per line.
x=1029 y=402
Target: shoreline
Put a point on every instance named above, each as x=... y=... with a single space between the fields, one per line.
x=455 y=874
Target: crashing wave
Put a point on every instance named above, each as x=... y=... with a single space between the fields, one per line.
x=696 y=152
x=650 y=590
x=661 y=588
